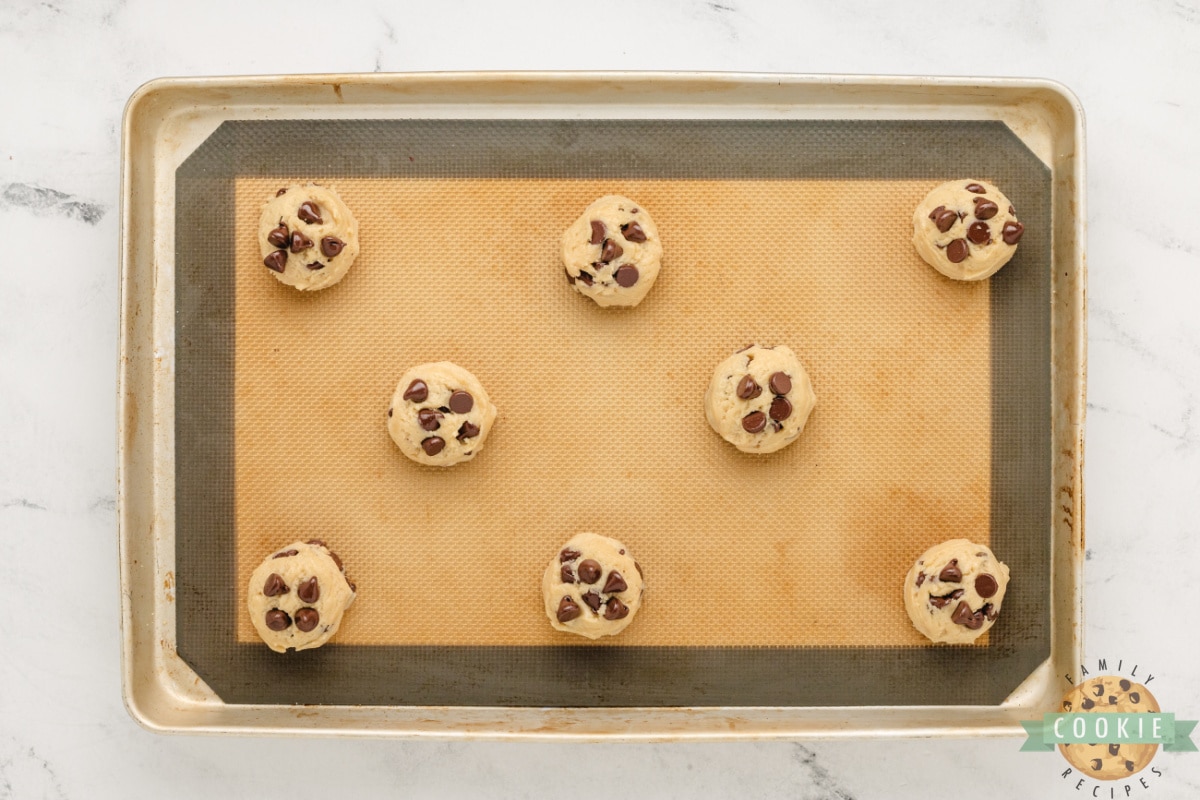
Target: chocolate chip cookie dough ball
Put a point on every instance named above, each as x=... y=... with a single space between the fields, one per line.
x=592 y=587
x=759 y=398
x=954 y=591
x=298 y=595
x=440 y=414
x=308 y=237
x=966 y=229
x=1109 y=693
x=612 y=253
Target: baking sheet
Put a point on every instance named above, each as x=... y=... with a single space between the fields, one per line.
x=933 y=416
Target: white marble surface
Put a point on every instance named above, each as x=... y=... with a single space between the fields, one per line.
x=68 y=69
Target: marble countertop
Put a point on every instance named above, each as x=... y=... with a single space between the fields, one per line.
x=69 y=68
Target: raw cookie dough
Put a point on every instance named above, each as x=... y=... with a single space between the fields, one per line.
x=966 y=229
x=612 y=253
x=440 y=415
x=308 y=237
x=759 y=398
x=297 y=596
x=1107 y=693
x=592 y=587
x=954 y=591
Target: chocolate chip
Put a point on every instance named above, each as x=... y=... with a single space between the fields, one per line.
x=979 y=233
x=589 y=571
x=568 y=555
x=747 y=388
x=985 y=585
x=429 y=420
x=610 y=250
x=780 y=383
x=331 y=246
x=1088 y=704
x=1011 y=234
x=567 y=610
x=920 y=579
x=638 y=567
x=626 y=275
x=633 y=232
x=946 y=599
x=277 y=260
x=615 y=583
x=278 y=620
x=1097 y=764
x=957 y=250
x=389 y=413
x=754 y=422
x=417 y=391
x=615 y=610
x=353 y=588
x=598 y=230
x=316 y=542
x=985 y=209
x=1114 y=749
x=461 y=402
x=286 y=553
x=467 y=430
x=300 y=242
x=963 y=616
x=592 y=599
x=1129 y=765
x=315 y=265
x=433 y=445
x=337 y=560
x=1112 y=699
x=1066 y=705
x=951 y=572
x=309 y=591
x=281 y=192
x=565 y=574
x=945 y=220
x=1125 y=685
x=1012 y=210
x=310 y=212
x=585 y=278
x=989 y=611
x=279 y=237
x=1135 y=697
x=570 y=277
x=307 y=619
x=976 y=188
x=1098 y=690
x=776 y=425
x=781 y=409
x=934 y=214
x=274 y=585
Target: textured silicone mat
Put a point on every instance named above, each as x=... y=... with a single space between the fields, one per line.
x=932 y=419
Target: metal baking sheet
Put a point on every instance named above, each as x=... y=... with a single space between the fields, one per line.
x=719 y=134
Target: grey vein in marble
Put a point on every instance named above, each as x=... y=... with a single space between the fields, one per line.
x=45 y=201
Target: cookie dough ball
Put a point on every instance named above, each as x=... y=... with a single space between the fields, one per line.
x=612 y=253
x=297 y=596
x=592 y=587
x=954 y=591
x=759 y=398
x=440 y=415
x=308 y=237
x=1108 y=693
x=966 y=229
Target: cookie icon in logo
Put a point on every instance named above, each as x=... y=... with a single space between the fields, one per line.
x=1109 y=693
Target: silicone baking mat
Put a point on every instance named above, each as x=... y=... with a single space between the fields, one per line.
x=771 y=580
